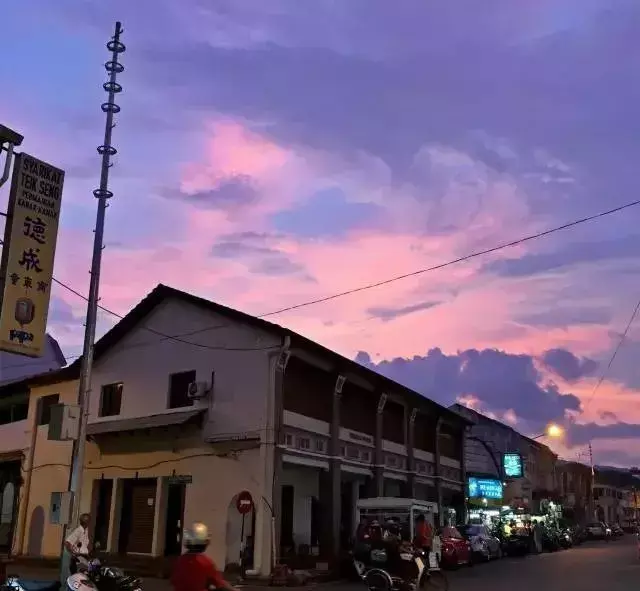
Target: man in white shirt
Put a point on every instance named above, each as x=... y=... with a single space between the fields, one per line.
x=77 y=542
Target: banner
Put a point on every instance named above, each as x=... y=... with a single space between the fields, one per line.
x=28 y=254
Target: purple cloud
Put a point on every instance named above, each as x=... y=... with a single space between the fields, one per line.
x=567 y=365
x=500 y=381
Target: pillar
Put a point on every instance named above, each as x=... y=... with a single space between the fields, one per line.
x=335 y=462
x=437 y=473
x=281 y=362
x=378 y=452
x=411 y=460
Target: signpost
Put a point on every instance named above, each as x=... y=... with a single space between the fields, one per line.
x=244 y=505
x=28 y=254
x=512 y=465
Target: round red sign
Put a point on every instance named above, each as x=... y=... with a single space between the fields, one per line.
x=244 y=502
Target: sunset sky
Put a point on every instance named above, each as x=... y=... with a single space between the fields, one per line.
x=277 y=151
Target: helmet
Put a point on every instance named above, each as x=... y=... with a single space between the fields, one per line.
x=197 y=535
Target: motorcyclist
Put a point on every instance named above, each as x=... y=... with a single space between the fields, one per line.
x=194 y=570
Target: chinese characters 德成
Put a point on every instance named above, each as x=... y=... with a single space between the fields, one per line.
x=35 y=229
x=30 y=260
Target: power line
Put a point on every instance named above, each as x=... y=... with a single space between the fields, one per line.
x=366 y=287
x=467 y=257
x=604 y=374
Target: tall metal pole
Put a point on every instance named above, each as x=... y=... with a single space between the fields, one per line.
x=106 y=150
x=592 y=507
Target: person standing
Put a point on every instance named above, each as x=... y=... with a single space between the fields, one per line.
x=77 y=542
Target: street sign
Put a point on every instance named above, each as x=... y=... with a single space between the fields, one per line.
x=512 y=465
x=28 y=254
x=244 y=502
x=180 y=479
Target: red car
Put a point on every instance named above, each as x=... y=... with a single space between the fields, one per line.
x=456 y=550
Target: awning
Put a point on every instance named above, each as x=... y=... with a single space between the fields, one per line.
x=143 y=423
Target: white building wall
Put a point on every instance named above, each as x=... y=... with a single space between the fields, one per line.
x=143 y=361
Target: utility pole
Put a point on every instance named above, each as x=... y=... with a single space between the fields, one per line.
x=593 y=477
x=106 y=150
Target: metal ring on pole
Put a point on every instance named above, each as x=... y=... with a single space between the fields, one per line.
x=113 y=68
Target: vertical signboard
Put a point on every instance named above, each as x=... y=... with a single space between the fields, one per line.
x=28 y=253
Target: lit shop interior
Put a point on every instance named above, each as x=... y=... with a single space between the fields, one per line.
x=485 y=506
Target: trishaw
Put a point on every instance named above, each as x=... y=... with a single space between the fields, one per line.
x=404 y=513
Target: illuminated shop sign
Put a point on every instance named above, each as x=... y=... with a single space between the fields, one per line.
x=512 y=465
x=484 y=488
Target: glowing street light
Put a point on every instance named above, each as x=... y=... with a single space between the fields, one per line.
x=552 y=430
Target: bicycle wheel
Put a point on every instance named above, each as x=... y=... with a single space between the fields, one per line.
x=436 y=581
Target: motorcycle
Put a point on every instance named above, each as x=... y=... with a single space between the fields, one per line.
x=414 y=575
x=91 y=576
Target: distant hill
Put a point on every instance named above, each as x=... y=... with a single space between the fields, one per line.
x=14 y=367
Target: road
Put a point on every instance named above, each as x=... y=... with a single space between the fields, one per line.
x=595 y=566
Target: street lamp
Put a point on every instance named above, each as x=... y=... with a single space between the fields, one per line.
x=12 y=139
x=552 y=430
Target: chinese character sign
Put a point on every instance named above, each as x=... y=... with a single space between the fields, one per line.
x=512 y=465
x=487 y=488
x=28 y=254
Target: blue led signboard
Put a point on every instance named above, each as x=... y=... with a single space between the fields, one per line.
x=484 y=488
x=512 y=465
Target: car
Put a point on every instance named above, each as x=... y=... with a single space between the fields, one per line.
x=596 y=530
x=484 y=546
x=456 y=550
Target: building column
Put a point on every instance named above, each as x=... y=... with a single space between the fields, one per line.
x=463 y=474
x=378 y=452
x=274 y=440
x=411 y=460
x=437 y=473
x=335 y=463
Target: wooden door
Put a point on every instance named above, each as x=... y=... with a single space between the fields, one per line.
x=143 y=509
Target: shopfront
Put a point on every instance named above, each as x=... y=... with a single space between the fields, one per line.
x=484 y=499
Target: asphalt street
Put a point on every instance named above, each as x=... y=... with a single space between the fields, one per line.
x=594 y=566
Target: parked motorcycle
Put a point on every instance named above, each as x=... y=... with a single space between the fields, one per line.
x=91 y=576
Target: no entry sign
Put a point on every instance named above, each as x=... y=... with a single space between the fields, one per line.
x=244 y=502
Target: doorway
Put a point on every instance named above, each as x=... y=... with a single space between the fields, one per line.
x=137 y=516
x=174 y=524
x=101 y=510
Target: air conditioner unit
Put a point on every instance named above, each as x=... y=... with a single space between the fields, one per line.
x=198 y=390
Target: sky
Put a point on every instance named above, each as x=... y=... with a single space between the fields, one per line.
x=271 y=153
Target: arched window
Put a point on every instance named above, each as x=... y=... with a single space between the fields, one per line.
x=6 y=510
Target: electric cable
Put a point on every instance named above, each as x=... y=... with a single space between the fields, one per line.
x=621 y=340
x=366 y=287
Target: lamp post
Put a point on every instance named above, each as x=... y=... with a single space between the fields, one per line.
x=9 y=140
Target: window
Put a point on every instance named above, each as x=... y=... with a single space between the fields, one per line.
x=304 y=443
x=288 y=439
x=44 y=408
x=179 y=388
x=320 y=445
x=13 y=411
x=110 y=400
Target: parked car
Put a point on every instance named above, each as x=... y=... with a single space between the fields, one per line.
x=484 y=546
x=456 y=550
x=596 y=530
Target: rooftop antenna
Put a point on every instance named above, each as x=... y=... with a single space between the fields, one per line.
x=102 y=194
